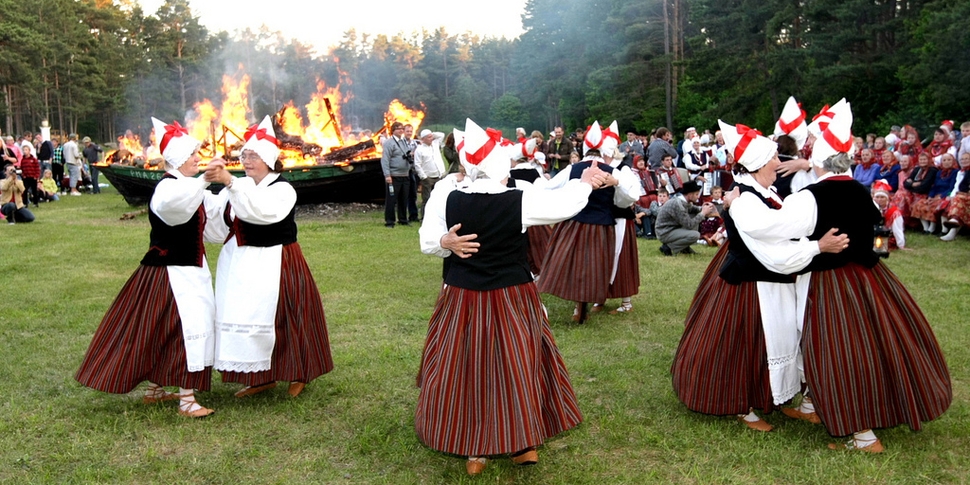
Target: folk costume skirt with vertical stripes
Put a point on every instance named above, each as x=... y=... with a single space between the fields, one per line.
x=721 y=364
x=539 y=237
x=926 y=208
x=871 y=359
x=140 y=339
x=492 y=379
x=579 y=262
x=302 y=349
x=959 y=209
x=627 y=280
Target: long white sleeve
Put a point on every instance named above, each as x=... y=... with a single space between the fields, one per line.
x=628 y=191
x=898 y=232
x=784 y=256
x=176 y=200
x=544 y=207
x=261 y=205
x=434 y=224
x=216 y=229
x=795 y=219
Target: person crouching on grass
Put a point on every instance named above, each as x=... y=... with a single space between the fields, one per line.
x=160 y=327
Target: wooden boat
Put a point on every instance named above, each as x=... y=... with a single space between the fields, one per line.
x=359 y=181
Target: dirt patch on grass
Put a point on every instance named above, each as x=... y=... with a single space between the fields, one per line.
x=336 y=210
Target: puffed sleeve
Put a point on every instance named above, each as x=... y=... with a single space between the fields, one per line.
x=795 y=219
x=543 y=207
x=628 y=191
x=216 y=229
x=435 y=225
x=176 y=200
x=261 y=205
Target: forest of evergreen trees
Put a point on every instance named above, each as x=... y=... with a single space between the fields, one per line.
x=100 y=66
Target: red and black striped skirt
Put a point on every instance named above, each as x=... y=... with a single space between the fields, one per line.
x=627 y=280
x=926 y=208
x=959 y=209
x=579 y=262
x=721 y=365
x=539 y=237
x=871 y=359
x=302 y=349
x=140 y=339
x=492 y=379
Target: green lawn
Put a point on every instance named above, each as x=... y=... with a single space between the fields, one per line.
x=355 y=425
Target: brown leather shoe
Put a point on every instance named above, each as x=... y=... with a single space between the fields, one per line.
x=794 y=413
x=759 y=425
x=249 y=391
x=296 y=388
x=198 y=413
x=528 y=457
x=475 y=466
x=160 y=397
x=875 y=447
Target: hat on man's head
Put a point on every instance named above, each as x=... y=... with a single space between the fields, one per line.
x=747 y=146
x=881 y=187
x=837 y=136
x=792 y=123
x=261 y=139
x=690 y=187
x=174 y=142
x=86 y=139
x=425 y=132
x=482 y=152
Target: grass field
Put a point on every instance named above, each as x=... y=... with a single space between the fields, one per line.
x=355 y=425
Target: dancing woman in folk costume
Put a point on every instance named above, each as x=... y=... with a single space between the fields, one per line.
x=740 y=348
x=870 y=357
x=270 y=324
x=492 y=379
x=160 y=327
x=625 y=275
x=579 y=263
x=526 y=169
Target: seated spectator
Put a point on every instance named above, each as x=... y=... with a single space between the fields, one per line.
x=860 y=144
x=47 y=187
x=958 y=213
x=940 y=146
x=902 y=197
x=30 y=172
x=892 y=217
x=919 y=183
x=679 y=219
x=648 y=182
x=964 y=140
x=867 y=170
x=668 y=176
x=12 y=198
x=928 y=208
x=889 y=171
x=646 y=217
x=879 y=147
x=910 y=145
x=709 y=227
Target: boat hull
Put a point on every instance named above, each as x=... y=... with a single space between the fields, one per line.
x=356 y=182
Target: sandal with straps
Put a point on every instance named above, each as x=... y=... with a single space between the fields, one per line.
x=192 y=409
x=155 y=394
x=622 y=309
x=475 y=465
x=874 y=447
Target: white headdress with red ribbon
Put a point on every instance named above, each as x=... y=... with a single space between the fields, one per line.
x=611 y=140
x=881 y=187
x=749 y=148
x=523 y=151
x=821 y=121
x=792 y=122
x=837 y=135
x=174 y=142
x=262 y=139
x=482 y=152
x=593 y=139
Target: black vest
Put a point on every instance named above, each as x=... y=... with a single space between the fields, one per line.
x=502 y=259
x=846 y=204
x=599 y=208
x=741 y=265
x=180 y=245
x=528 y=175
x=263 y=236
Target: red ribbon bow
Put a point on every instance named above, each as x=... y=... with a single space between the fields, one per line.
x=747 y=136
x=823 y=125
x=607 y=133
x=174 y=130
x=525 y=151
x=789 y=127
x=494 y=138
x=839 y=145
x=260 y=134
